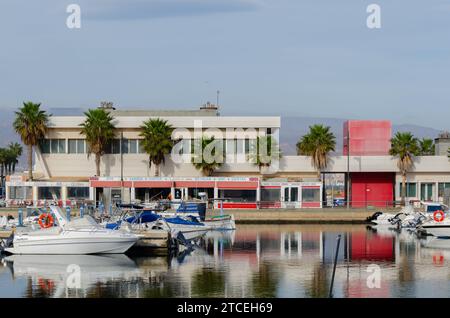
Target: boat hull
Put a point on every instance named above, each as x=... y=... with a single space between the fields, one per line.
x=72 y=244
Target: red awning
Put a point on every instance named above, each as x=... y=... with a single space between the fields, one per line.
x=152 y=184
x=237 y=185
x=195 y=184
x=110 y=184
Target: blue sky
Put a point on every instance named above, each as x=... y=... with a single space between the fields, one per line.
x=281 y=57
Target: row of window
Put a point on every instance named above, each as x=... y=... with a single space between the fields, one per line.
x=426 y=190
x=133 y=146
x=48 y=193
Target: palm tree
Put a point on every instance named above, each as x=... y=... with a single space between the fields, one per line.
x=404 y=146
x=211 y=156
x=16 y=151
x=157 y=141
x=3 y=159
x=31 y=124
x=426 y=146
x=98 y=129
x=317 y=143
x=263 y=151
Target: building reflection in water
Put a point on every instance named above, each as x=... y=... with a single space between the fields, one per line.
x=254 y=261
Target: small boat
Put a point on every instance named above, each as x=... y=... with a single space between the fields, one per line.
x=80 y=236
x=438 y=229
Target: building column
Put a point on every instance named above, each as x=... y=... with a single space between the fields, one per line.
x=216 y=196
x=64 y=195
x=258 y=196
x=35 y=195
x=7 y=192
x=436 y=193
x=133 y=194
x=91 y=193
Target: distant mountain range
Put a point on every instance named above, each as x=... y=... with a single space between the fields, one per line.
x=292 y=128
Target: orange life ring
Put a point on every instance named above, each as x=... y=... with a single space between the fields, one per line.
x=48 y=220
x=438 y=216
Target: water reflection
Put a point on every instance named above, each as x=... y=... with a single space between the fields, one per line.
x=254 y=261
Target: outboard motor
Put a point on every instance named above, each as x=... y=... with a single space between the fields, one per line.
x=373 y=216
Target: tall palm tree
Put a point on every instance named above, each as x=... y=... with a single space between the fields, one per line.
x=426 y=146
x=263 y=151
x=211 y=157
x=3 y=159
x=404 y=146
x=16 y=151
x=317 y=143
x=31 y=124
x=157 y=141
x=99 y=130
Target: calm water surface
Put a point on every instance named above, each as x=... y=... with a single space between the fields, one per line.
x=253 y=261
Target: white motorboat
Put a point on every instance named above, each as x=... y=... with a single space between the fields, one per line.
x=80 y=236
x=438 y=229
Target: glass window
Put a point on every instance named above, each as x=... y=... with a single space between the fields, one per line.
x=45 y=145
x=80 y=146
x=125 y=145
x=113 y=147
x=54 y=145
x=132 y=147
x=310 y=195
x=411 y=189
x=239 y=195
x=61 y=146
x=294 y=194
x=49 y=193
x=78 y=192
x=286 y=194
x=20 y=193
x=270 y=195
x=444 y=189
x=76 y=145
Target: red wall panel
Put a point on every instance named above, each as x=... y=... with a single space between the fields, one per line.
x=372 y=188
x=368 y=137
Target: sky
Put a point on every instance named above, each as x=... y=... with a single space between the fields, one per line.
x=313 y=58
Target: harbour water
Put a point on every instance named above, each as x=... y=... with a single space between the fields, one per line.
x=253 y=261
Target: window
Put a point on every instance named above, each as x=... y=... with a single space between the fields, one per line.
x=113 y=147
x=310 y=195
x=49 y=193
x=294 y=194
x=411 y=190
x=270 y=195
x=76 y=145
x=444 y=189
x=21 y=193
x=125 y=147
x=238 y=195
x=133 y=146
x=78 y=192
x=53 y=145
x=44 y=144
x=269 y=131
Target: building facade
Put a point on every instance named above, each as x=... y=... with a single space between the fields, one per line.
x=65 y=173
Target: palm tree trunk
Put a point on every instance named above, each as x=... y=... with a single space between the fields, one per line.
x=403 y=194
x=97 y=164
x=14 y=168
x=30 y=162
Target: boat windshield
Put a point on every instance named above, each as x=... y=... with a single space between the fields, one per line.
x=84 y=222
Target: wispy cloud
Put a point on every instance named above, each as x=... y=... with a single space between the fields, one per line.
x=150 y=9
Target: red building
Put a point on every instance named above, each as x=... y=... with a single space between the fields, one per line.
x=369 y=138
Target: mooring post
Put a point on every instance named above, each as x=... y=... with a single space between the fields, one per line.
x=20 y=214
x=334 y=266
x=68 y=213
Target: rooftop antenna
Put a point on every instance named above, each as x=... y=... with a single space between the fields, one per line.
x=217 y=101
